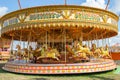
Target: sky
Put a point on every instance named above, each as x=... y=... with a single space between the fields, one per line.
x=7 y=6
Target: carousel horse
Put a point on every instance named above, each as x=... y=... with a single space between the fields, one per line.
x=18 y=52
x=95 y=51
x=37 y=52
x=43 y=51
x=28 y=54
x=34 y=54
x=105 y=53
x=81 y=51
x=78 y=51
x=31 y=52
x=86 y=50
x=69 y=50
x=25 y=52
x=100 y=52
x=56 y=52
x=53 y=53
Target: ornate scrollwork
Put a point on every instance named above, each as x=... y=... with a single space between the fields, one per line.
x=22 y=17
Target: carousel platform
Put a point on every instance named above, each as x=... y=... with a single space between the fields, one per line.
x=75 y=68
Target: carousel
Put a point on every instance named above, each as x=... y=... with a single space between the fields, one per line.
x=60 y=39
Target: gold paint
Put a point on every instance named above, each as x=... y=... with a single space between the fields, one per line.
x=66 y=12
x=105 y=18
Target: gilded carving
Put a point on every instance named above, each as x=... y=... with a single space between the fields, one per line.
x=59 y=16
x=105 y=18
x=22 y=17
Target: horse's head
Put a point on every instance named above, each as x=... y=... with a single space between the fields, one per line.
x=18 y=47
x=106 y=47
x=30 y=48
x=79 y=46
x=94 y=46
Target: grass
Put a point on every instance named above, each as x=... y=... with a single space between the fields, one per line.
x=111 y=75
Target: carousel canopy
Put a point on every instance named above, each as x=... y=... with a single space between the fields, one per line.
x=76 y=21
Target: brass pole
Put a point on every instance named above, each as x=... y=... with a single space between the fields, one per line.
x=11 y=52
x=46 y=39
x=65 y=43
x=20 y=37
x=29 y=37
x=53 y=40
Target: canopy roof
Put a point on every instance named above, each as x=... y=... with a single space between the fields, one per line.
x=72 y=20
